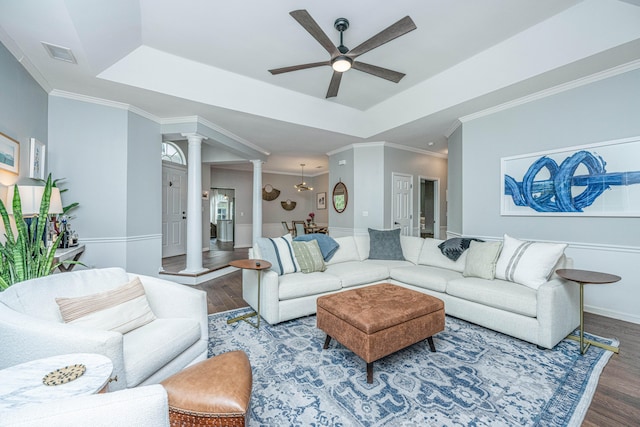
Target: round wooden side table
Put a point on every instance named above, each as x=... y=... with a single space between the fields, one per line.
x=250 y=264
x=586 y=277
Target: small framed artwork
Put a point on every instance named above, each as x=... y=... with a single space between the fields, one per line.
x=321 y=200
x=9 y=153
x=36 y=159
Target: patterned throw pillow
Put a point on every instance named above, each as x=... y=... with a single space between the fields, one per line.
x=385 y=244
x=279 y=252
x=122 y=309
x=481 y=259
x=309 y=256
x=528 y=263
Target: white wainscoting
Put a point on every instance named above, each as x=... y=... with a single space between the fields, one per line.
x=244 y=236
x=136 y=254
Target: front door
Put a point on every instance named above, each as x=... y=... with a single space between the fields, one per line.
x=402 y=203
x=174 y=210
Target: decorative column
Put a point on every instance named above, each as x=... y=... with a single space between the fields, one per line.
x=194 y=204
x=257 y=200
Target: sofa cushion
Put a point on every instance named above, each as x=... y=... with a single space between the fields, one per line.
x=411 y=247
x=385 y=244
x=499 y=294
x=346 y=252
x=279 y=252
x=362 y=243
x=528 y=263
x=355 y=273
x=481 y=259
x=154 y=345
x=423 y=276
x=309 y=256
x=121 y=309
x=431 y=255
x=298 y=285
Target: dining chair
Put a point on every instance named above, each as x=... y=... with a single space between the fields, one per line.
x=300 y=227
x=288 y=229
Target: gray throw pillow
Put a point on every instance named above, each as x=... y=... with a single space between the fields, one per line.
x=385 y=244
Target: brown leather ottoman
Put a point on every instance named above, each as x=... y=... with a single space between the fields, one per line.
x=214 y=392
x=378 y=320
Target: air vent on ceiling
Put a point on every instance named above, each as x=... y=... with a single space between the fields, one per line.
x=60 y=53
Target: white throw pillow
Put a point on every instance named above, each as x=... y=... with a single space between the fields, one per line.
x=481 y=259
x=122 y=309
x=528 y=263
x=279 y=252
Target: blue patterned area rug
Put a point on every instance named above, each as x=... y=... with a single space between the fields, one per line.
x=477 y=377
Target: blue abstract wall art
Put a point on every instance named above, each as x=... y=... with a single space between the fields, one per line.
x=598 y=180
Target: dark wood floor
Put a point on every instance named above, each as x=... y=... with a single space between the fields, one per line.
x=617 y=398
x=219 y=255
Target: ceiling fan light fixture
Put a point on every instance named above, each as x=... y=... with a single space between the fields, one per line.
x=341 y=63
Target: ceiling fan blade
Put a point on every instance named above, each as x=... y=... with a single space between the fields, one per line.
x=334 y=85
x=374 y=70
x=312 y=27
x=298 y=67
x=396 y=30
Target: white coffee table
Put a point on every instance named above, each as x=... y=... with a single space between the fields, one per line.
x=22 y=384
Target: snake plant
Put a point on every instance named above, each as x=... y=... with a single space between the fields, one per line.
x=24 y=254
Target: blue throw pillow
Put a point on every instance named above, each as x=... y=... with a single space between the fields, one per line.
x=385 y=244
x=328 y=246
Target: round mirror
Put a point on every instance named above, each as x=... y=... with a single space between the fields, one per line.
x=340 y=197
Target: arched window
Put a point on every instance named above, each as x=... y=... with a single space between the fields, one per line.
x=172 y=153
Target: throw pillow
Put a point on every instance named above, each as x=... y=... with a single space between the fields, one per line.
x=481 y=259
x=279 y=252
x=528 y=263
x=309 y=256
x=385 y=244
x=328 y=245
x=122 y=309
x=453 y=248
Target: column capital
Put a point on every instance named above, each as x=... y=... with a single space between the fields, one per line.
x=194 y=137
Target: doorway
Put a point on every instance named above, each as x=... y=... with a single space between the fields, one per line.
x=222 y=219
x=402 y=203
x=429 y=207
x=174 y=210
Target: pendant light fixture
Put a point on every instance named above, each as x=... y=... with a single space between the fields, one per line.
x=303 y=185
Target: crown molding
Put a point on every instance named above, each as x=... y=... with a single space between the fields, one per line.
x=387 y=144
x=104 y=102
x=455 y=125
x=612 y=72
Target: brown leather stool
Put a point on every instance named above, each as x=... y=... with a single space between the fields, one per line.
x=214 y=392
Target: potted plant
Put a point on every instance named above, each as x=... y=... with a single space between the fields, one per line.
x=24 y=254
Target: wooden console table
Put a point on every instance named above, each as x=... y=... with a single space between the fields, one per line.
x=66 y=254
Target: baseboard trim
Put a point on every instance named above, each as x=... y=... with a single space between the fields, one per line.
x=612 y=314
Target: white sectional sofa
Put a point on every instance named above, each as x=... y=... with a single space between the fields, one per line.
x=543 y=316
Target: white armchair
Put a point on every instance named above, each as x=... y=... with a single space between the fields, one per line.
x=140 y=407
x=31 y=326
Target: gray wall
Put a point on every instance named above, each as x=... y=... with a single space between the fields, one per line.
x=604 y=110
x=455 y=174
x=367 y=175
x=23 y=112
x=111 y=161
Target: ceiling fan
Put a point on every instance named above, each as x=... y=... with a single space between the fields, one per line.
x=343 y=59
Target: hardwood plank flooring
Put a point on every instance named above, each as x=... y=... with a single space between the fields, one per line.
x=617 y=398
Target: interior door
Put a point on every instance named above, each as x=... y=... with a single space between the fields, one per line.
x=402 y=203
x=174 y=210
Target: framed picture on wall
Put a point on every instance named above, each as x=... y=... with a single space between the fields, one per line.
x=601 y=179
x=36 y=159
x=9 y=153
x=321 y=200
